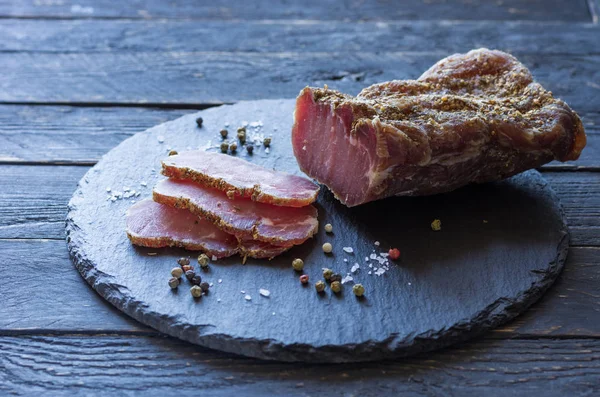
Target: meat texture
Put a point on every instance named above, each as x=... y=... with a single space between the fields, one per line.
x=150 y=224
x=241 y=179
x=246 y=219
x=471 y=118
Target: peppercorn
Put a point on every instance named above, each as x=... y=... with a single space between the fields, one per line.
x=196 y=291
x=320 y=286
x=327 y=273
x=394 y=253
x=267 y=141
x=223 y=133
x=327 y=248
x=358 y=289
x=336 y=286
x=189 y=274
x=335 y=277
x=205 y=286
x=176 y=272
x=203 y=260
x=187 y=268
x=196 y=280
x=328 y=228
x=199 y=122
x=436 y=225
x=298 y=264
x=173 y=282
x=241 y=134
x=183 y=261
x=173 y=153
x=249 y=149
x=233 y=147
x=304 y=279
x=224 y=147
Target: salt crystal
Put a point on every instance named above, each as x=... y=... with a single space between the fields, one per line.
x=143 y=183
x=248 y=297
x=347 y=279
x=243 y=292
x=345 y=260
x=161 y=139
x=214 y=258
x=220 y=281
x=273 y=313
x=373 y=256
x=264 y=292
x=348 y=250
x=385 y=254
x=409 y=283
x=377 y=243
x=267 y=150
x=355 y=268
x=380 y=271
x=126 y=189
x=369 y=272
x=366 y=258
x=108 y=189
x=211 y=284
x=244 y=123
x=219 y=300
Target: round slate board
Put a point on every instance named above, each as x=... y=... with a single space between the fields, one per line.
x=501 y=246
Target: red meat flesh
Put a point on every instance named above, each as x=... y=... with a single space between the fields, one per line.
x=241 y=179
x=244 y=218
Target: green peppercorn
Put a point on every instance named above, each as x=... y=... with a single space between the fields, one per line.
x=298 y=264
x=320 y=286
x=173 y=282
x=205 y=286
x=183 y=261
x=173 y=153
x=199 y=122
x=203 y=260
x=196 y=280
x=176 y=272
x=224 y=147
x=223 y=133
x=189 y=274
x=336 y=286
x=358 y=289
x=267 y=141
x=241 y=134
x=233 y=147
x=335 y=277
x=327 y=273
x=249 y=149
x=196 y=291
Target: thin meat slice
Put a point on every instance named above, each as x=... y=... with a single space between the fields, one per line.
x=241 y=179
x=471 y=118
x=244 y=218
x=150 y=224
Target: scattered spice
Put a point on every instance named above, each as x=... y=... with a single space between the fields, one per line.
x=355 y=268
x=327 y=273
x=223 y=133
x=304 y=279
x=298 y=264
x=436 y=225
x=183 y=261
x=249 y=149
x=199 y=122
x=171 y=153
x=335 y=277
x=224 y=147
x=358 y=289
x=267 y=141
x=203 y=260
x=328 y=228
x=233 y=147
x=204 y=286
x=196 y=291
x=394 y=253
x=248 y=297
x=320 y=286
x=187 y=268
x=189 y=274
x=348 y=250
x=264 y=292
x=347 y=279
x=173 y=282
x=327 y=248
x=336 y=287
x=241 y=134
x=196 y=280
x=177 y=272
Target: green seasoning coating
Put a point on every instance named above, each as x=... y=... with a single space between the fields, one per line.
x=336 y=287
x=320 y=286
x=358 y=289
x=298 y=264
x=196 y=291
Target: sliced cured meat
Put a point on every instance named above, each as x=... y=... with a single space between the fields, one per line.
x=474 y=117
x=150 y=224
x=240 y=178
x=244 y=218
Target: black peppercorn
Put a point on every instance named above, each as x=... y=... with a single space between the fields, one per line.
x=249 y=149
x=223 y=133
x=196 y=280
x=190 y=274
x=199 y=122
x=205 y=286
x=183 y=261
x=336 y=277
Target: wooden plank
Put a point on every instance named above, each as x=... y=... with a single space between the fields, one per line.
x=81 y=135
x=300 y=36
x=563 y=10
x=74 y=365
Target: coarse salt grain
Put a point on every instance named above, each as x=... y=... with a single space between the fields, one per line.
x=348 y=250
x=220 y=281
x=143 y=183
x=345 y=260
x=347 y=279
x=161 y=139
x=380 y=271
x=264 y=292
x=355 y=268
x=248 y=297
x=377 y=243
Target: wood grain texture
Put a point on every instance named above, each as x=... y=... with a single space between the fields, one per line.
x=128 y=365
x=564 y=10
x=214 y=77
x=89 y=35
x=569 y=309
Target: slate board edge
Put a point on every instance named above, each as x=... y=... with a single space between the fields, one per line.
x=497 y=313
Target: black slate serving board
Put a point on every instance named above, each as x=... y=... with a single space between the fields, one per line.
x=501 y=246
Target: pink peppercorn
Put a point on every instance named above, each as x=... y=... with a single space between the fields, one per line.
x=304 y=279
x=394 y=253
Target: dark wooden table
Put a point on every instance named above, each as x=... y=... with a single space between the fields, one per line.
x=77 y=77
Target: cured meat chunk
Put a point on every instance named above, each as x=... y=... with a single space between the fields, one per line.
x=240 y=178
x=471 y=118
x=244 y=218
x=150 y=224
